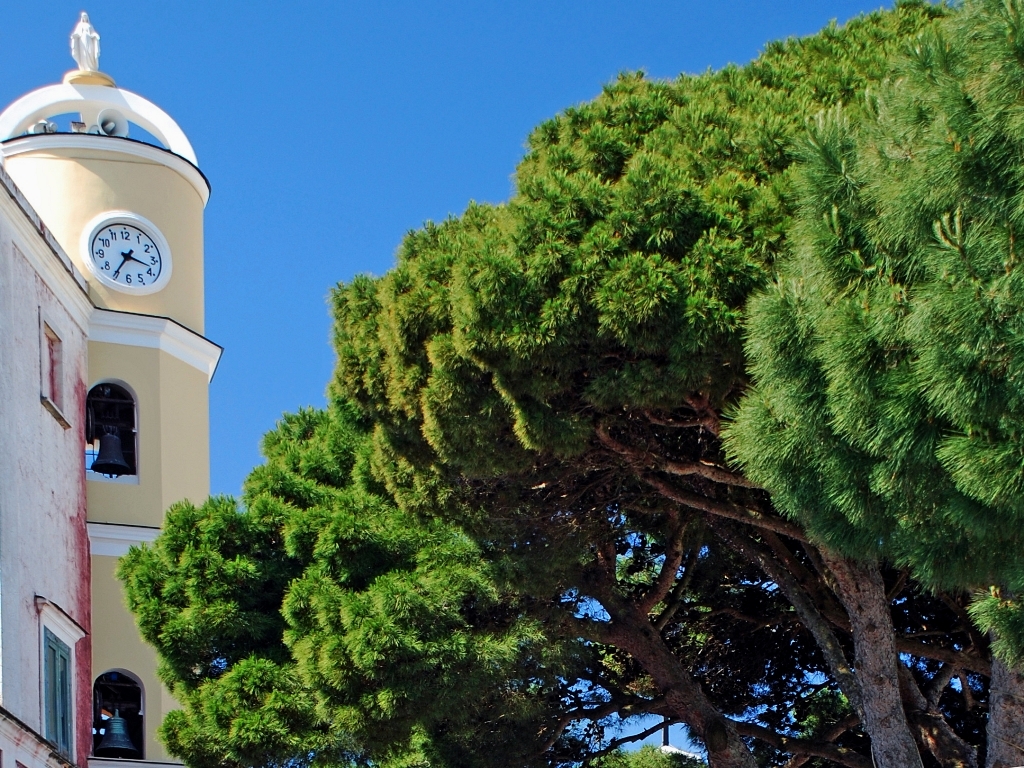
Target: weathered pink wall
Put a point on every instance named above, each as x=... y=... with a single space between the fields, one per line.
x=44 y=545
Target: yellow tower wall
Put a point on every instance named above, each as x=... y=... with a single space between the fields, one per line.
x=96 y=181
x=172 y=407
x=173 y=460
x=111 y=620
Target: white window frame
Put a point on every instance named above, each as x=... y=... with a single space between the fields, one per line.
x=56 y=620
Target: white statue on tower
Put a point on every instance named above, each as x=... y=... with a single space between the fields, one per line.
x=85 y=45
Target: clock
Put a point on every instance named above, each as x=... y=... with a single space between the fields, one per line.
x=126 y=252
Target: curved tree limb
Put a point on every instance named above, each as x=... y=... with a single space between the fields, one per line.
x=643 y=458
x=669 y=572
x=725 y=509
x=678 y=592
x=930 y=728
x=823 y=749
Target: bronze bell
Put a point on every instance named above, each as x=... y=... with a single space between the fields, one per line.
x=116 y=742
x=110 y=459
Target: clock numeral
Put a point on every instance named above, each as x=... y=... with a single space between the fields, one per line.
x=146 y=247
x=152 y=260
x=128 y=279
x=106 y=265
x=100 y=252
x=149 y=272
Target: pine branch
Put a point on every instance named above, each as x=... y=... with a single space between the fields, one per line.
x=678 y=592
x=673 y=423
x=633 y=632
x=757 y=624
x=795 y=746
x=931 y=729
x=815 y=583
x=614 y=744
x=805 y=608
x=669 y=569
x=968 y=659
x=615 y=706
x=938 y=684
x=833 y=733
x=701 y=405
x=647 y=459
x=724 y=509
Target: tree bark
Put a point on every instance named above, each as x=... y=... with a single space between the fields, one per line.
x=860 y=589
x=1006 y=718
x=933 y=733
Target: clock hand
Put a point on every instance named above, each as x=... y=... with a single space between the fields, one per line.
x=118 y=270
x=128 y=257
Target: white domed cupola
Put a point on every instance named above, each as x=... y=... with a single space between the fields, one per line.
x=102 y=108
x=101 y=165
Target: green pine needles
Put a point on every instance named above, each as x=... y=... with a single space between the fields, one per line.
x=888 y=404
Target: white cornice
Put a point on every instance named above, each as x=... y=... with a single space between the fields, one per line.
x=113 y=540
x=59 y=622
x=161 y=333
x=110 y=145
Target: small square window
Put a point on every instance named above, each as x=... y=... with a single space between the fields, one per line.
x=57 y=689
x=51 y=368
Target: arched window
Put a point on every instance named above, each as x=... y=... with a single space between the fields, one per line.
x=110 y=431
x=117 y=717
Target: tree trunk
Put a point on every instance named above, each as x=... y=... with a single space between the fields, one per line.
x=1006 y=718
x=860 y=589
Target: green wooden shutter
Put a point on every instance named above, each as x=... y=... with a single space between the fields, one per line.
x=57 y=685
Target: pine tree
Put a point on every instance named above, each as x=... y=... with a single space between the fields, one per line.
x=527 y=531
x=318 y=624
x=887 y=410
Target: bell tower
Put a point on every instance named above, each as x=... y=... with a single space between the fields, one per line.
x=118 y=185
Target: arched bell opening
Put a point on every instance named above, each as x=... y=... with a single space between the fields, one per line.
x=110 y=444
x=117 y=720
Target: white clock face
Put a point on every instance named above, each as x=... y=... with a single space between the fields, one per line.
x=128 y=253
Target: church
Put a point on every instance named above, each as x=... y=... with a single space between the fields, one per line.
x=104 y=376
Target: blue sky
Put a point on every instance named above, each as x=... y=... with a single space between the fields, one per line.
x=330 y=129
